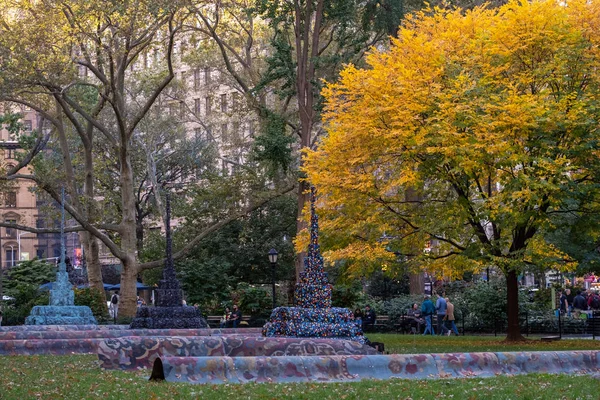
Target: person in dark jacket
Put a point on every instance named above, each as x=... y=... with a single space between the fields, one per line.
x=427 y=311
x=579 y=302
x=369 y=319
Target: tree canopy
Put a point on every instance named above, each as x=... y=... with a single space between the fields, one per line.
x=471 y=138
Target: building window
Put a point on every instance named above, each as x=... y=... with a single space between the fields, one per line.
x=197 y=106
x=27 y=125
x=11 y=232
x=207 y=105
x=11 y=257
x=207 y=75
x=11 y=199
x=184 y=78
x=182 y=108
x=235 y=132
x=235 y=101
x=196 y=79
x=224 y=102
x=224 y=133
x=40 y=254
x=10 y=154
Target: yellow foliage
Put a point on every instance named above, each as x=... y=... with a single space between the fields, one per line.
x=468 y=131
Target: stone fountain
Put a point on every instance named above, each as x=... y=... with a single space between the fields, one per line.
x=62 y=309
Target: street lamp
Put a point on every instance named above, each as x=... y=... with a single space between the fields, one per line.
x=19 y=234
x=273 y=259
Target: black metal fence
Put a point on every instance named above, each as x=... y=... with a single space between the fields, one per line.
x=531 y=323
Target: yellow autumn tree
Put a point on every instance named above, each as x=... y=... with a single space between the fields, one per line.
x=465 y=139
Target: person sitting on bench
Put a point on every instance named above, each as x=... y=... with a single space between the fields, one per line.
x=369 y=319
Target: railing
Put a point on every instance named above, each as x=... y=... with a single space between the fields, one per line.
x=530 y=323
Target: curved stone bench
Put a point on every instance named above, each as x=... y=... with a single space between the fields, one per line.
x=35 y=328
x=140 y=352
x=115 y=333
x=336 y=368
x=48 y=346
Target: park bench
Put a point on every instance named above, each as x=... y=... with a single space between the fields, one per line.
x=381 y=322
x=215 y=320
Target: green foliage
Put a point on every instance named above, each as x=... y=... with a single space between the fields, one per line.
x=95 y=300
x=205 y=280
x=274 y=145
x=542 y=299
x=383 y=286
x=347 y=295
x=252 y=300
x=30 y=274
x=26 y=297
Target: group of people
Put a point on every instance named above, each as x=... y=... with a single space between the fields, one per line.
x=582 y=301
x=367 y=318
x=231 y=319
x=418 y=316
x=444 y=310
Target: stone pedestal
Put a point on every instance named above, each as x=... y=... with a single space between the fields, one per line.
x=61 y=315
x=182 y=317
x=61 y=310
x=332 y=323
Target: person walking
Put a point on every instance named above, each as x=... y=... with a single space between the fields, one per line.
x=563 y=303
x=579 y=303
x=440 y=307
x=114 y=305
x=450 y=318
x=427 y=311
x=570 y=299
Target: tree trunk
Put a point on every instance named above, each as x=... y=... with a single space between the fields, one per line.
x=128 y=292
x=92 y=259
x=128 y=300
x=416 y=283
x=513 y=331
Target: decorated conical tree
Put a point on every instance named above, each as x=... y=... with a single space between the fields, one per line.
x=313 y=315
x=169 y=312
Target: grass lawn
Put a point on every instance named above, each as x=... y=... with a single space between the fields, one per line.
x=79 y=377
x=409 y=344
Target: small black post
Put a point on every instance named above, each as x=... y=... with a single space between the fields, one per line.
x=273 y=260
x=273 y=283
x=527 y=321
x=559 y=325
x=594 y=323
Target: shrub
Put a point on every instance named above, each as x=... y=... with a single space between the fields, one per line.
x=95 y=300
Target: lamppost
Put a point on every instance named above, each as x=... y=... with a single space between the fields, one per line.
x=273 y=259
x=19 y=234
x=12 y=255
